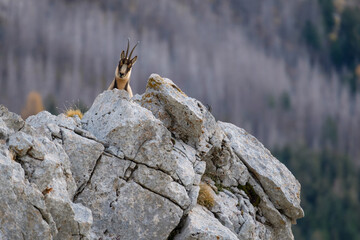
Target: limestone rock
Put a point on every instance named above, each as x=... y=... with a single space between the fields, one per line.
x=20 y=142
x=44 y=124
x=83 y=154
x=184 y=156
x=11 y=120
x=236 y=212
x=223 y=163
x=47 y=166
x=202 y=225
x=123 y=124
x=228 y=211
x=162 y=184
x=278 y=182
x=135 y=132
x=163 y=175
x=131 y=169
x=125 y=209
x=4 y=131
x=23 y=212
x=53 y=171
x=44 y=117
x=187 y=118
x=58 y=189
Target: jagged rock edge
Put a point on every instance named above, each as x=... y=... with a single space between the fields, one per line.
x=253 y=174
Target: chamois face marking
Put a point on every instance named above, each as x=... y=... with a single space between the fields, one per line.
x=126 y=63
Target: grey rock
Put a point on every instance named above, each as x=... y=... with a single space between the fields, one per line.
x=247 y=231
x=200 y=167
x=83 y=216
x=102 y=190
x=236 y=212
x=164 y=158
x=267 y=207
x=125 y=209
x=27 y=141
x=278 y=182
x=115 y=151
x=162 y=184
x=53 y=177
x=284 y=233
x=12 y=120
x=184 y=169
x=223 y=163
x=68 y=122
x=4 y=130
x=39 y=132
x=185 y=150
x=118 y=122
x=154 y=219
x=197 y=179
x=131 y=169
x=201 y=224
x=71 y=219
x=187 y=118
x=193 y=195
x=84 y=133
x=83 y=154
x=227 y=211
x=53 y=171
x=43 y=118
x=37 y=150
x=23 y=212
x=20 y=142
x=239 y=215
x=224 y=166
x=54 y=130
x=263 y=231
x=105 y=177
x=134 y=131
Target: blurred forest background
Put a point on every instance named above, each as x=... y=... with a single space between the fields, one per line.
x=286 y=71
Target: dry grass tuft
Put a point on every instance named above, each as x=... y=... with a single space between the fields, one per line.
x=206 y=197
x=73 y=112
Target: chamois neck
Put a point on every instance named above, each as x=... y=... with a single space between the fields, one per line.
x=121 y=82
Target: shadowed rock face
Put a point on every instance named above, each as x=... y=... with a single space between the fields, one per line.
x=131 y=169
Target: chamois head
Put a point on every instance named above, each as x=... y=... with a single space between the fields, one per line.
x=123 y=70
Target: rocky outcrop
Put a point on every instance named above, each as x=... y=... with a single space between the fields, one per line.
x=132 y=169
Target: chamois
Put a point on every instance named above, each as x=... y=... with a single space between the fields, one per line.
x=123 y=71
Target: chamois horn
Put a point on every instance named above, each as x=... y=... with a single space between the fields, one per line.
x=127 y=49
x=133 y=50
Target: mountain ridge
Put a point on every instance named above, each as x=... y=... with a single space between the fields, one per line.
x=132 y=169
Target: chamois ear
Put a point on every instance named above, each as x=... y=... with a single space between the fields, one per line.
x=122 y=56
x=121 y=62
x=133 y=60
x=133 y=50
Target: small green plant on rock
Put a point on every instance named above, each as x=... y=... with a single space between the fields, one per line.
x=249 y=190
